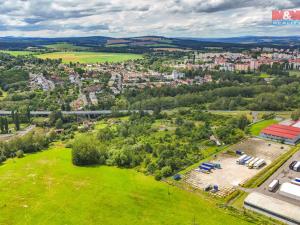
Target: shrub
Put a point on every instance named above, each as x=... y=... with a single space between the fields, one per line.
x=2 y=158
x=166 y=171
x=157 y=175
x=86 y=151
x=20 y=154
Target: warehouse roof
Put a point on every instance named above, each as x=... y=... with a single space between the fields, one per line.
x=296 y=124
x=290 y=190
x=282 y=131
x=273 y=207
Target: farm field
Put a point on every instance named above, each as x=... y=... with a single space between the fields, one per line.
x=66 y=47
x=18 y=53
x=90 y=57
x=258 y=127
x=45 y=188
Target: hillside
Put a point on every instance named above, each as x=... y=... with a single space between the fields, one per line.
x=45 y=188
x=132 y=44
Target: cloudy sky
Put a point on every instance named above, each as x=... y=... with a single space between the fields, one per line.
x=120 y=18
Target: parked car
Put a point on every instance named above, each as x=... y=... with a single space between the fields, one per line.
x=297 y=167
x=292 y=165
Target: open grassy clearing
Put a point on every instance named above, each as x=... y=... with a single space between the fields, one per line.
x=18 y=53
x=238 y=201
x=4 y=94
x=66 y=47
x=45 y=188
x=258 y=127
x=295 y=73
x=264 y=75
x=116 y=46
x=90 y=57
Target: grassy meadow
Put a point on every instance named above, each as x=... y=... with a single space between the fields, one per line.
x=3 y=94
x=90 y=57
x=66 y=47
x=45 y=188
x=258 y=127
x=18 y=53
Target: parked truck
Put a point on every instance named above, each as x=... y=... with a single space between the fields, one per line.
x=251 y=164
x=210 y=165
x=296 y=181
x=259 y=163
x=297 y=167
x=245 y=160
x=273 y=185
x=238 y=161
x=248 y=161
x=202 y=167
x=239 y=152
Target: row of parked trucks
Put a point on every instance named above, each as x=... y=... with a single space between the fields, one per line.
x=251 y=162
x=208 y=167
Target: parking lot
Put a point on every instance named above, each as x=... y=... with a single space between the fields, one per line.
x=233 y=174
x=284 y=174
x=267 y=150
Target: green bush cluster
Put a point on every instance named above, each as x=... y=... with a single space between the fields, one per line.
x=32 y=142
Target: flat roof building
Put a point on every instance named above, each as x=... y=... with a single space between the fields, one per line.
x=282 y=133
x=290 y=190
x=272 y=207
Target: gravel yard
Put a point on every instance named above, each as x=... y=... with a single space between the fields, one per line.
x=233 y=174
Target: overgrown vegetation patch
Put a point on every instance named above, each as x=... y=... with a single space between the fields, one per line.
x=158 y=144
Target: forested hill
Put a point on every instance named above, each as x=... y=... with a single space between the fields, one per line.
x=101 y=43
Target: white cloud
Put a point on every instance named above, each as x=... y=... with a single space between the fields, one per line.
x=197 y=18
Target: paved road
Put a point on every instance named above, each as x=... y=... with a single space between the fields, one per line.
x=18 y=133
x=79 y=113
x=283 y=174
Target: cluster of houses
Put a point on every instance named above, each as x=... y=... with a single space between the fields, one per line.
x=38 y=81
x=131 y=75
x=245 y=61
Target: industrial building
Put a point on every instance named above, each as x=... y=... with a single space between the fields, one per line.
x=290 y=190
x=272 y=207
x=282 y=133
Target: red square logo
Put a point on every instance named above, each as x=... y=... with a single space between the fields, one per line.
x=286 y=15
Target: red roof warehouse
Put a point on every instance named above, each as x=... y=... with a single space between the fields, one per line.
x=287 y=134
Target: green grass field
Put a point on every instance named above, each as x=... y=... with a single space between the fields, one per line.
x=4 y=94
x=295 y=73
x=45 y=188
x=66 y=47
x=90 y=57
x=18 y=53
x=264 y=75
x=258 y=127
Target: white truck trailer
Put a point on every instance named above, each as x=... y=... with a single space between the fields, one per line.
x=259 y=163
x=239 y=160
x=251 y=164
x=273 y=185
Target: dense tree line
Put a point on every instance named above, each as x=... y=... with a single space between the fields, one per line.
x=240 y=97
x=136 y=143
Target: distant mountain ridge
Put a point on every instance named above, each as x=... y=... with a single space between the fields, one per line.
x=290 y=40
x=144 y=43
